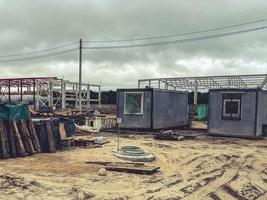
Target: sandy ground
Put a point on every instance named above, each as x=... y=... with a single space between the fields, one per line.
x=204 y=168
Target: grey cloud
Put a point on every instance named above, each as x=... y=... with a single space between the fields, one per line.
x=34 y=24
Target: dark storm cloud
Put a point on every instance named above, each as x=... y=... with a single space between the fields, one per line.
x=35 y=24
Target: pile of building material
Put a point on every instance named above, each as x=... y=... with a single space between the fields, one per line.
x=44 y=126
x=18 y=139
x=172 y=135
x=129 y=167
x=168 y=135
x=98 y=122
x=92 y=142
x=21 y=136
x=133 y=153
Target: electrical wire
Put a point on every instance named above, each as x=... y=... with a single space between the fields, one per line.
x=177 y=41
x=39 y=56
x=177 y=34
x=147 y=44
x=39 y=51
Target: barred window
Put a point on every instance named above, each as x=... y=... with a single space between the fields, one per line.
x=133 y=103
x=231 y=106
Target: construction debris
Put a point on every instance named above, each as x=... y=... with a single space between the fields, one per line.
x=128 y=167
x=90 y=142
x=172 y=135
x=18 y=139
x=133 y=153
x=102 y=172
x=97 y=122
x=22 y=136
x=133 y=169
x=101 y=140
x=113 y=163
x=87 y=129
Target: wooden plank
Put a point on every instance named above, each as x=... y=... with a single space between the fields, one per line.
x=3 y=138
x=49 y=132
x=34 y=136
x=132 y=169
x=26 y=137
x=18 y=139
x=115 y=163
x=11 y=139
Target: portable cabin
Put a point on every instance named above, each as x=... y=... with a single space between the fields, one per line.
x=237 y=112
x=151 y=109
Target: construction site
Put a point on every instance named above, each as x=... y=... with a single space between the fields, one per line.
x=155 y=106
x=58 y=146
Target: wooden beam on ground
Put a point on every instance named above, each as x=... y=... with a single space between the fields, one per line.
x=114 y=163
x=133 y=169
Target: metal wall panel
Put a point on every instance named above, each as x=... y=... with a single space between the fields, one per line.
x=262 y=112
x=243 y=127
x=170 y=109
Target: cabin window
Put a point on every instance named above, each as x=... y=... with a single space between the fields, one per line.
x=231 y=106
x=133 y=103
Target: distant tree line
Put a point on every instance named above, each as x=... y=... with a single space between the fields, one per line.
x=109 y=97
x=202 y=98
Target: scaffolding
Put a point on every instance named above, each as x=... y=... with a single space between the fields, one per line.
x=205 y=82
x=49 y=91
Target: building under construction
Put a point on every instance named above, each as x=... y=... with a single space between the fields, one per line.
x=204 y=83
x=49 y=91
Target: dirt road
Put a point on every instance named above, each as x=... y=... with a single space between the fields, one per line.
x=204 y=168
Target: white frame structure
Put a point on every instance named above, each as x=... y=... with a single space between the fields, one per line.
x=205 y=82
x=57 y=93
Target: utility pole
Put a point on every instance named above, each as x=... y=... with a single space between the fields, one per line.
x=80 y=76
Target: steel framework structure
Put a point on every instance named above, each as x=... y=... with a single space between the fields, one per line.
x=63 y=94
x=50 y=91
x=206 y=82
x=9 y=87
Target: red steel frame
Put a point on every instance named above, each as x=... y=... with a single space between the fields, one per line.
x=19 y=84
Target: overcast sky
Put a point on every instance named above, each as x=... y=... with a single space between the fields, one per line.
x=31 y=25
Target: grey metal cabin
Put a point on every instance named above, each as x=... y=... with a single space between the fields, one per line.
x=150 y=109
x=237 y=112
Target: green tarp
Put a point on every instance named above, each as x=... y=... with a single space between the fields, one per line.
x=202 y=111
x=14 y=111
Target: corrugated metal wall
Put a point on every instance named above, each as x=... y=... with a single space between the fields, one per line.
x=243 y=127
x=262 y=111
x=170 y=109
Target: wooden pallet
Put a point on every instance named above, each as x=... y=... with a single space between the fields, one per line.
x=33 y=135
x=26 y=138
x=4 y=141
x=50 y=137
x=18 y=140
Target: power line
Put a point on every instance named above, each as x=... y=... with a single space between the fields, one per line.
x=177 y=34
x=39 y=56
x=156 y=43
x=177 y=41
x=39 y=51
